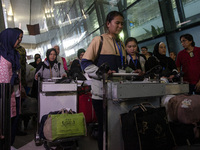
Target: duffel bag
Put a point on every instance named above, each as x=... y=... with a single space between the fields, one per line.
x=184 y=108
x=146 y=128
x=58 y=126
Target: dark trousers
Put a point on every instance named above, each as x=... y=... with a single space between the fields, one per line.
x=14 y=122
x=98 y=108
x=192 y=89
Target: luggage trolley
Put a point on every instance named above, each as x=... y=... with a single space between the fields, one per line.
x=53 y=96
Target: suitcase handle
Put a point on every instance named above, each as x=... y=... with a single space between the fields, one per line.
x=142 y=106
x=138 y=106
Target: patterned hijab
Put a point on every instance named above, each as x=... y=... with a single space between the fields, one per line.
x=8 y=38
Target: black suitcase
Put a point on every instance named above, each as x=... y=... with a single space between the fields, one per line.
x=146 y=128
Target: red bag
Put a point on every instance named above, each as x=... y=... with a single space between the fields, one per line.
x=84 y=89
x=85 y=106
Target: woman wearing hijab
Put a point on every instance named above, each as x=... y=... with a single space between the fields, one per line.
x=50 y=68
x=35 y=63
x=9 y=69
x=169 y=69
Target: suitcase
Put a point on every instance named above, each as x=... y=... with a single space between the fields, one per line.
x=85 y=106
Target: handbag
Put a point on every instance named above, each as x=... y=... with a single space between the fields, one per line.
x=145 y=127
x=64 y=125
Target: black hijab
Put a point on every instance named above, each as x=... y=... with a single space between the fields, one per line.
x=156 y=51
x=51 y=63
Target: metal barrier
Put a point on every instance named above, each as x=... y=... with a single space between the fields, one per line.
x=5 y=120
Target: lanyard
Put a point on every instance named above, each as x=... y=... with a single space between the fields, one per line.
x=134 y=61
x=120 y=52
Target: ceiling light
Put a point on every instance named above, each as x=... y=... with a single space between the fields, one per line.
x=69 y=19
x=9 y=18
x=59 y=2
x=84 y=14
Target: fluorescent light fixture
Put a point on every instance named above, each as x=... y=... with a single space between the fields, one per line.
x=10 y=12
x=59 y=2
x=84 y=14
x=69 y=19
x=9 y=18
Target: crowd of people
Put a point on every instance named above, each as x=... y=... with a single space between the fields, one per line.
x=107 y=48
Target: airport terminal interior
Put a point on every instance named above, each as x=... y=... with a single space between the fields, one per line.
x=72 y=24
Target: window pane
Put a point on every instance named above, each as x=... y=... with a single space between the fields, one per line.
x=108 y=8
x=146 y=21
x=129 y=2
x=86 y=4
x=192 y=11
x=92 y=22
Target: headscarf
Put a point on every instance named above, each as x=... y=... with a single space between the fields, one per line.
x=51 y=63
x=8 y=38
x=79 y=52
x=164 y=60
x=156 y=51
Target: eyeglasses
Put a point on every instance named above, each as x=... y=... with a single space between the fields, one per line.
x=183 y=41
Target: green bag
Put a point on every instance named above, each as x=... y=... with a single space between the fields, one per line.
x=64 y=125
